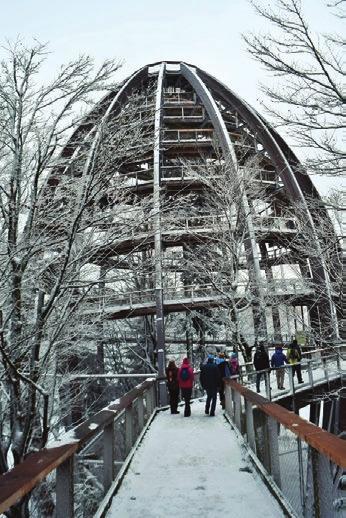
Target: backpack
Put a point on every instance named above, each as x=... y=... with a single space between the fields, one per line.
x=184 y=374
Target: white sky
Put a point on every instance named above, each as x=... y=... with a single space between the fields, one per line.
x=206 y=33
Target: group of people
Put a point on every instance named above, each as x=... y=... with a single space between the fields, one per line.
x=217 y=367
x=213 y=371
x=277 y=362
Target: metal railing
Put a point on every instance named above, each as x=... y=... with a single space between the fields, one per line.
x=303 y=463
x=217 y=221
x=279 y=287
x=179 y=97
x=317 y=369
x=187 y=136
x=97 y=441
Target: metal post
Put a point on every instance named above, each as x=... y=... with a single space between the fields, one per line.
x=64 y=489
x=128 y=428
x=140 y=412
x=250 y=429
x=273 y=440
x=291 y=381
x=108 y=456
x=267 y=385
x=325 y=369
x=310 y=374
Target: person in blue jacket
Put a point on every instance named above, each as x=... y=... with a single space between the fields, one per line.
x=277 y=362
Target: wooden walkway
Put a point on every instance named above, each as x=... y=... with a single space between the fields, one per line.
x=194 y=467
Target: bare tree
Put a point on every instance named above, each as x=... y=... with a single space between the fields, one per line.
x=62 y=216
x=307 y=97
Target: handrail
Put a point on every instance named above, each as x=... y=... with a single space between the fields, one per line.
x=19 y=481
x=324 y=442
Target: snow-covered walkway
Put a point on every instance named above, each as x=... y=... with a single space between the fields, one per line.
x=191 y=467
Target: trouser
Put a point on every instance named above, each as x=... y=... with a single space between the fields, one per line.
x=258 y=379
x=297 y=368
x=211 y=398
x=280 y=376
x=173 y=400
x=222 y=394
x=186 y=394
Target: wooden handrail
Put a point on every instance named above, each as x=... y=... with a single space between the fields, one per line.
x=326 y=443
x=19 y=481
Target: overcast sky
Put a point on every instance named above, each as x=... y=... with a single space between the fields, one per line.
x=206 y=33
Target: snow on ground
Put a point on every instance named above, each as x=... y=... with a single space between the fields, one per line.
x=191 y=466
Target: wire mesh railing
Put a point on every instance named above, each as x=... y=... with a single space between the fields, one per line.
x=306 y=464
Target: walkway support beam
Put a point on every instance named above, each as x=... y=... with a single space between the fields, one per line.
x=159 y=320
x=227 y=147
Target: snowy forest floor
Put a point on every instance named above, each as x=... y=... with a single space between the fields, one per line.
x=191 y=466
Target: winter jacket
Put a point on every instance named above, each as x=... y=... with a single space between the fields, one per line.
x=278 y=359
x=172 y=377
x=261 y=359
x=234 y=366
x=294 y=354
x=210 y=376
x=186 y=383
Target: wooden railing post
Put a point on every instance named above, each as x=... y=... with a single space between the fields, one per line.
x=148 y=403
x=128 y=428
x=108 y=456
x=250 y=429
x=237 y=409
x=140 y=412
x=64 y=489
x=228 y=401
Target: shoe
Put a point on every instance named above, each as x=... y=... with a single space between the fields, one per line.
x=282 y=388
x=211 y=415
x=258 y=391
x=176 y=412
x=301 y=381
x=206 y=412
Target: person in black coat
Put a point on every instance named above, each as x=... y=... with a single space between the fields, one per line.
x=224 y=370
x=211 y=382
x=173 y=386
x=261 y=362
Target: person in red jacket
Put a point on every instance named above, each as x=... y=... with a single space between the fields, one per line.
x=185 y=378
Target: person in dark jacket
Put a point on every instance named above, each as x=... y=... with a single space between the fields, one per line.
x=294 y=356
x=224 y=373
x=173 y=386
x=211 y=382
x=277 y=362
x=186 y=378
x=261 y=363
